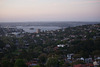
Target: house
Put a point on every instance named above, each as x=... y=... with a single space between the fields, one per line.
x=88 y=60
x=89 y=65
x=26 y=46
x=7 y=46
x=55 y=48
x=98 y=58
x=69 y=56
x=80 y=65
x=32 y=63
x=80 y=58
x=95 y=63
x=60 y=45
x=1 y=51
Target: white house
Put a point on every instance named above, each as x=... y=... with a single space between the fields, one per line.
x=60 y=45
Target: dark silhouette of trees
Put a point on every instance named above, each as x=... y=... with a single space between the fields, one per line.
x=52 y=62
x=19 y=63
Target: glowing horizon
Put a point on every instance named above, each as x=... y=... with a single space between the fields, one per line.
x=49 y=10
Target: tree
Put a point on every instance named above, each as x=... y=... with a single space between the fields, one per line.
x=37 y=66
x=20 y=63
x=52 y=62
x=77 y=56
x=97 y=44
x=96 y=53
x=43 y=58
x=84 y=54
x=6 y=63
x=66 y=65
x=23 y=54
x=78 y=62
x=2 y=44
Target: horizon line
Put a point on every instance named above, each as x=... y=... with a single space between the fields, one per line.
x=44 y=21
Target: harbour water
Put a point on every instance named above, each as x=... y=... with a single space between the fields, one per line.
x=32 y=29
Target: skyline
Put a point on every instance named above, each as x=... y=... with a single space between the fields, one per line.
x=53 y=10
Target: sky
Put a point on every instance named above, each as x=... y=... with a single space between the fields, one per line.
x=49 y=10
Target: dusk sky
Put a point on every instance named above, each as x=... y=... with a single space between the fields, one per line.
x=49 y=10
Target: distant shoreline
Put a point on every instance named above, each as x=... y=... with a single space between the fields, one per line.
x=58 y=24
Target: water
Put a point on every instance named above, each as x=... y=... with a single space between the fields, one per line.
x=43 y=28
